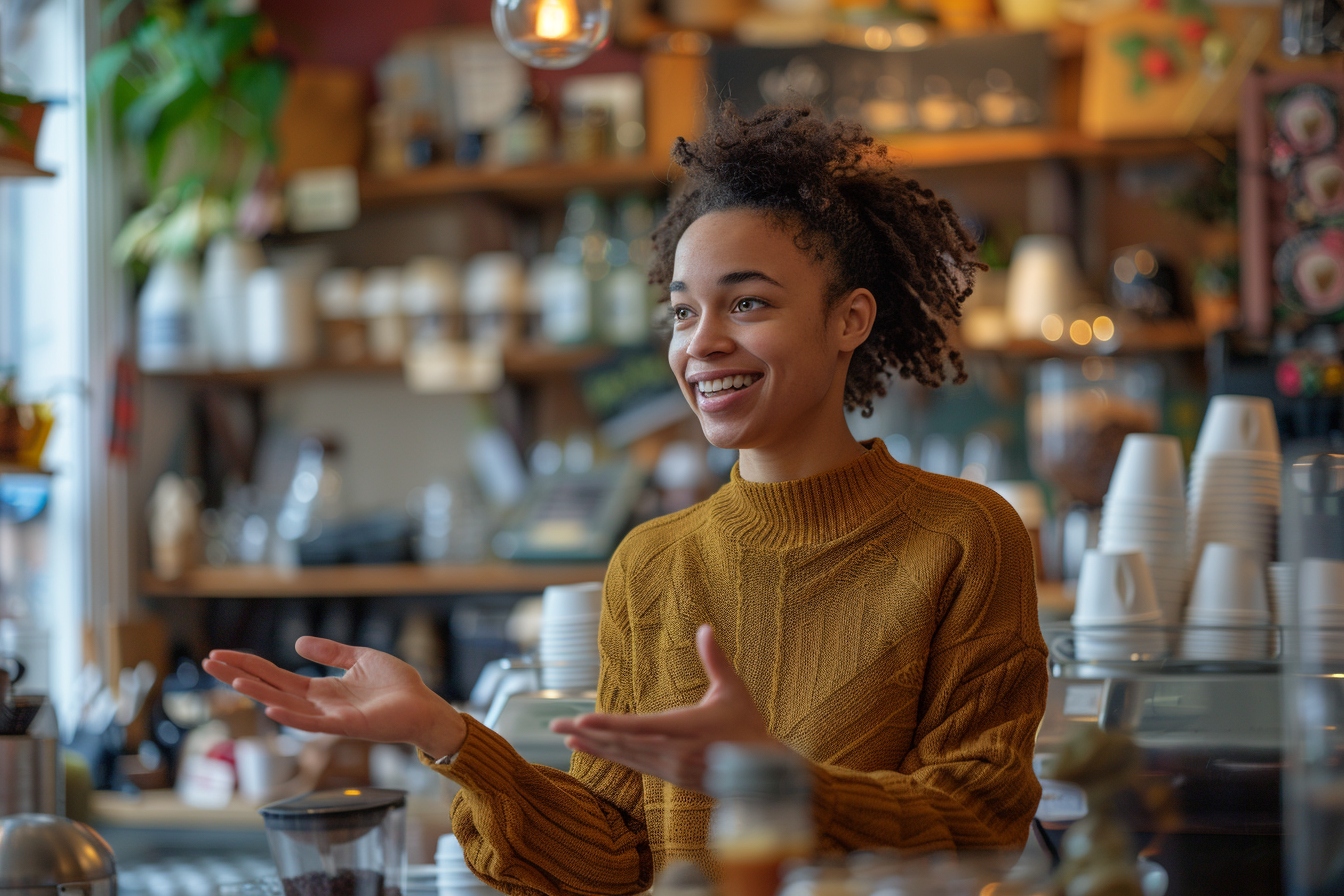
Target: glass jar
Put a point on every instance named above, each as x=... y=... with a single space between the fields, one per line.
x=763 y=818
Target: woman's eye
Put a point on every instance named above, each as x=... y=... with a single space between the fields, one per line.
x=681 y=312
x=749 y=304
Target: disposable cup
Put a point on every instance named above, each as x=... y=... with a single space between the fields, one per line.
x=1239 y=423
x=1229 y=581
x=1224 y=639
x=580 y=600
x=1148 y=465
x=1320 y=585
x=1114 y=589
x=1142 y=640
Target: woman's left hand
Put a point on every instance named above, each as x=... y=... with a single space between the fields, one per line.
x=671 y=745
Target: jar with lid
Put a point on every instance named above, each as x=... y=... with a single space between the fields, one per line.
x=763 y=819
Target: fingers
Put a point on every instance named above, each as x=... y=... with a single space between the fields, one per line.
x=261 y=669
x=717 y=665
x=224 y=672
x=673 y=723
x=328 y=653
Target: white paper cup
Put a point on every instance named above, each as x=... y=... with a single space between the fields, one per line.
x=1239 y=423
x=1229 y=583
x=1148 y=466
x=573 y=602
x=1113 y=588
x=1225 y=637
x=1320 y=585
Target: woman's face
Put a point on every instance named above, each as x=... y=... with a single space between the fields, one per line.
x=757 y=353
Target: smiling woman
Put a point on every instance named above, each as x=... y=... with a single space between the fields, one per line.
x=877 y=620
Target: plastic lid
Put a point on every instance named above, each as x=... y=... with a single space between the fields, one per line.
x=752 y=770
x=354 y=807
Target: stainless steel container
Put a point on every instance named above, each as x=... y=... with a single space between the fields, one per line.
x=44 y=855
x=31 y=778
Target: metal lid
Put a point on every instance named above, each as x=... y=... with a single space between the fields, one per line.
x=48 y=851
x=353 y=807
x=762 y=772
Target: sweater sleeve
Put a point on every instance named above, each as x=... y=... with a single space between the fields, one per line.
x=967 y=782
x=530 y=830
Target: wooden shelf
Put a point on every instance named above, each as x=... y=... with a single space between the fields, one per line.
x=1151 y=338
x=528 y=182
x=988 y=146
x=9 y=468
x=983 y=146
x=16 y=168
x=370 y=581
x=525 y=361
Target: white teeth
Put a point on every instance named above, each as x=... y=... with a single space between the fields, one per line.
x=708 y=387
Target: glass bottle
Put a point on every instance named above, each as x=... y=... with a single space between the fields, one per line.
x=627 y=295
x=763 y=818
x=576 y=271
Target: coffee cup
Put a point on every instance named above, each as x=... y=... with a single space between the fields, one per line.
x=1116 y=616
x=1239 y=423
x=1149 y=466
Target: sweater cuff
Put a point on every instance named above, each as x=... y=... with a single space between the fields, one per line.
x=485 y=761
x=823 y=797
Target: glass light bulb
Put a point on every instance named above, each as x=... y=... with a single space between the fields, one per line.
x=551 y=33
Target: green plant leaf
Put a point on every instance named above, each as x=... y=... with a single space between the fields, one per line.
x=260 y=88
x=142 y=115
x=107 y=65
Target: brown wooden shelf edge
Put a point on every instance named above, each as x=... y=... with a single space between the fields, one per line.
x=369 y=581
x=1167 y=336
x=920 y=150
x=523 y=361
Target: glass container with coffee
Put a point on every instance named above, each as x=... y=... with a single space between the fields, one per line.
x=763 y=819
x=340 y=842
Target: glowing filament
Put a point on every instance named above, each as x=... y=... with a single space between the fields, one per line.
x=556 y=19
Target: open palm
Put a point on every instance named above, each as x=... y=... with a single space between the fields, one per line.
x=379 y=697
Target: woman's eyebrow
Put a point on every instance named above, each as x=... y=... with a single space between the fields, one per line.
x=732 y=278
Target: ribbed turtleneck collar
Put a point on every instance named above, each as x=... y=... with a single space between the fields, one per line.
x=816 y=509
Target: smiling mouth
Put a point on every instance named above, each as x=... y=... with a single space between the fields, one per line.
x=727 y=383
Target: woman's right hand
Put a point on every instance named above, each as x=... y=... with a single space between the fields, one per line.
x=379 y=697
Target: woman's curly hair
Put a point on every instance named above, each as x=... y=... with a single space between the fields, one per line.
x=847 y=203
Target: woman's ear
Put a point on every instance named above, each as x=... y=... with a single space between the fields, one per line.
x=857 y=312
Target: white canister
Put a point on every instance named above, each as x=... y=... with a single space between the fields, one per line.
x=280 y=320
x=169 y=317
x=563 y=294
x=229 y=263
x=1042 y=280
x=381 y=302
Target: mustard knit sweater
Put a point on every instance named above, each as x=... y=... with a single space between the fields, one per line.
x=884 y=620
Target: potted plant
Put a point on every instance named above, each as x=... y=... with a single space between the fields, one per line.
x=20 y=121
x=194 y=90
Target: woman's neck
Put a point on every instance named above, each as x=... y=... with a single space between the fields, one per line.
x=801 y=456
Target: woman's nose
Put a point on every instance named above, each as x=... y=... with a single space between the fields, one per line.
x=711 y=337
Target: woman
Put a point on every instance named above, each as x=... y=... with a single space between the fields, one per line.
x=878 y=620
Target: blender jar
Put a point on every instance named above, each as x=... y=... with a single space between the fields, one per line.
x=340 y=842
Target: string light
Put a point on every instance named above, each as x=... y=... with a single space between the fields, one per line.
x=551 y=34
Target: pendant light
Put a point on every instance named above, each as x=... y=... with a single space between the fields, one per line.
x=551 y=33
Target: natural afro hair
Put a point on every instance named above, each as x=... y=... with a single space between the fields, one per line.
x=848 y=203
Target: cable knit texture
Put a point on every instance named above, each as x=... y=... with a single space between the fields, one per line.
x=884 y=621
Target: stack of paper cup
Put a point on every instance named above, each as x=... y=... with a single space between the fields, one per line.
x=1283 y=592
x=1229 y=607
x=1116 y=616
x=454 y=877
x=1144 y=511
x=1320 y=592
x=1235 y=492
x=568 y=643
